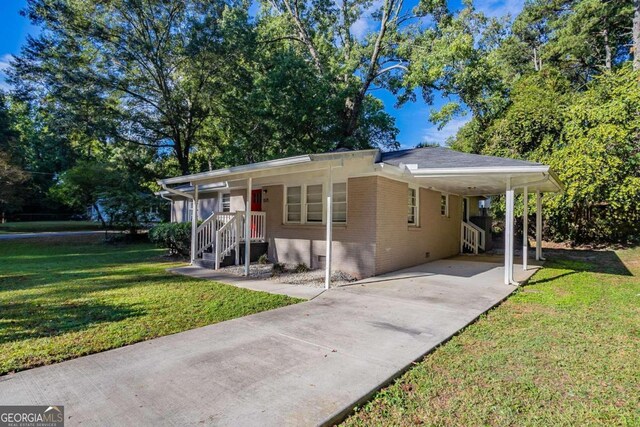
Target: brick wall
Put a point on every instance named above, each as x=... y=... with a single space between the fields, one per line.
x=353 y=243
x=400 y=245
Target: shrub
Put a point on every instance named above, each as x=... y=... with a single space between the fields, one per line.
x=301 y=268
x=175 y=236
x=264 y=259
x=278 y=268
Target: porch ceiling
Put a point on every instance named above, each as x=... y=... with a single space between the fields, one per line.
x=478 y=182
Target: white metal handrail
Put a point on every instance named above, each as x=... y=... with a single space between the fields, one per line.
x=468 y=238
x=481 y=235
x=223 y=231
x=226 y=239
x=206 y=232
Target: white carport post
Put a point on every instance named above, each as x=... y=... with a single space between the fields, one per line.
x=329 y=225
x=539 y=226
x=525 y=228
x=508 y=235
x=247 y=229
x=194 y=222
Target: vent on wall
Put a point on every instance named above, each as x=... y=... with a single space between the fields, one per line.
x=427 y=254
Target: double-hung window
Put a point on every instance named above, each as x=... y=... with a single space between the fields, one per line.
x=444 y=204
x=305 y=204
x=339 y=206
x=226 y=202
x=314 y=203
x=412 y=207
x=293 y=206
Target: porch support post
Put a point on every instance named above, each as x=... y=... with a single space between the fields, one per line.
x=508 y=235
x=539 y=226
x=194 y=222
x=329 y=224
x=247 y=228
x=525 y=228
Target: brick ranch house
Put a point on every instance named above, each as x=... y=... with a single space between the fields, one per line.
x=390 y=210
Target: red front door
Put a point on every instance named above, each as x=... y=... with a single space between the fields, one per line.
x=256 y=206
x=256 y=200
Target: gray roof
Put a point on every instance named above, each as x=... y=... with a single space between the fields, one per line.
x=440 y=157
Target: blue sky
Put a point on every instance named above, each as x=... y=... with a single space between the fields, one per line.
x=411 y=119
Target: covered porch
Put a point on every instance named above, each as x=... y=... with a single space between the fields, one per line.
x=224 y=232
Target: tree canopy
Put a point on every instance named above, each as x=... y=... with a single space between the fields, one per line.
x=149 y=88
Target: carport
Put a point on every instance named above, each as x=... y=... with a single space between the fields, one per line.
x=475 y=175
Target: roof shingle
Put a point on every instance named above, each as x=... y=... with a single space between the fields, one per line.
x=440 y=157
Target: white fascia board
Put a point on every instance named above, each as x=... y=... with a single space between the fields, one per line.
x=236 y=170
x=442 y=172
x=267 y=165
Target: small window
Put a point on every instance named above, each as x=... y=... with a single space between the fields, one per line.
x=339 y=207
x=412 y=207
x=293 y=207
x=314 y=203
x=226 y=202
x=444 y=204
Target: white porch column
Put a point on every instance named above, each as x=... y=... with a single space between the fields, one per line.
x=525 y=228
x=329 y=225
x=194 y=222
x=539 y=226
x=508 y=235
x=247 y=229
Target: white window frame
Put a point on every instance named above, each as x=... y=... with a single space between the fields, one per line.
x=445 y=214
x=416 y=207
x=304 y=205
x=222 y=196
x=346 y=202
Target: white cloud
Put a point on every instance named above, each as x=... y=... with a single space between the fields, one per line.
x=365 y=23
x=432 y=135
x=5 y=61
x=360 y=28
x=499 y=8
x=4 y=65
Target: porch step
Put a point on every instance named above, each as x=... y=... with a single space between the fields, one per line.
x=208 y=259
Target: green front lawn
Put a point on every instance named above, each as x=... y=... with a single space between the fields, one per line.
x=43 y=226
x=564 y=350
x=67 y=297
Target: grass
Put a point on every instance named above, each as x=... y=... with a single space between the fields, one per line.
x=67 y=297
x=43 y=226
x=563 y=350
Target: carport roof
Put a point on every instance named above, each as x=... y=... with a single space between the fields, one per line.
x=440 y=157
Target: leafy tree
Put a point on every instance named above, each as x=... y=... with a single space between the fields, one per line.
x=83 y=185
x=12 y=178
x=599 y=161
x=145 y=72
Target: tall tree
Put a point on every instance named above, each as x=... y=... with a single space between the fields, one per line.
x=140 y=71
x=400 y=49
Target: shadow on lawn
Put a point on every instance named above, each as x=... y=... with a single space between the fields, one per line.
x=606 y=261
x=28 y=320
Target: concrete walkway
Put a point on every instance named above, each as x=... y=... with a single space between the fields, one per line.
x=296 y=291
x=305 y=364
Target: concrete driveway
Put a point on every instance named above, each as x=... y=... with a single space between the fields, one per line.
x=305 y=364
